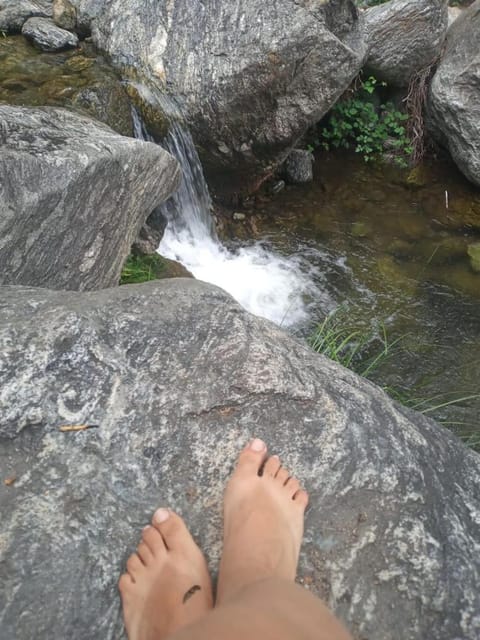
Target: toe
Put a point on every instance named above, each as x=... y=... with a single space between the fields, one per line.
x=292 y=486
x=173 y=529
x=154 y=541
x=144 y=553
x=271 y=467
x=134 y=566
x=282 y=475
x=301 y=498
x=125 y=583
x=252 y=457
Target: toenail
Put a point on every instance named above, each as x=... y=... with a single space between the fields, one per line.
x=257 y=445
x=161 y=515
x=146 y=528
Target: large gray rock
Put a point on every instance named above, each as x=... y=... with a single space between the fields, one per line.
x=251 y=76
x=403 y=37
x=47 y=36
x=73 y=197
x=454 y=99
x=14 y=13
x=177 y=377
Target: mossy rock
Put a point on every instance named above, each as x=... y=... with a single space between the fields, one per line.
x=466 y=211
x=79 y=80
x=156 y=121
x=418 y=177
x=473 y=251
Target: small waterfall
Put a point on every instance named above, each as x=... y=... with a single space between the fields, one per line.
x=265 y=283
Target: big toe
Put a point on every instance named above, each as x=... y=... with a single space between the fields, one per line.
x=252 y=457
x=173 y=529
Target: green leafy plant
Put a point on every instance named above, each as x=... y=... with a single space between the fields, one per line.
x=141 y=269
x=356 y=123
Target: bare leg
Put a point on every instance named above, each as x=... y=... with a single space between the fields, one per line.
x=270 y=609
x=167 y=585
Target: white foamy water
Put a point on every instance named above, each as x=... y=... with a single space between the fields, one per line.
x=264 y=282
x=261 y=281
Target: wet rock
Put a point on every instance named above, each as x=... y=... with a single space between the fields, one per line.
x=73 y=197
x=46 y=36
x=252 y=84
x=454 y=98
x=64 y=14
x=150 y=234
x=77 y=79
x=178 y=377
x=473 y=251
x=298 y=167
x=404 y=36
x=14 y=13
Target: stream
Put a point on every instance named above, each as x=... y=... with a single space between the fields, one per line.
x=382 y=245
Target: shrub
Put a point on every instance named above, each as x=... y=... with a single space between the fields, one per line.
x=356 y=123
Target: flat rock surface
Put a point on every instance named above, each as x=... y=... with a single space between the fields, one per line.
x=73 y=197
x=177 y=377
x=47 y=36
x=454 y=100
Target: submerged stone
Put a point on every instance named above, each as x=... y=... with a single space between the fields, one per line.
x=361 y=229
x=47 y=36
x=474 y=254
x=77 y=79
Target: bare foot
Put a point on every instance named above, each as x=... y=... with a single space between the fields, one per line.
x=263 y=522
x=167 y=585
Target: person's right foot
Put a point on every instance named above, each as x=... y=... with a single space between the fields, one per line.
x=263 y=522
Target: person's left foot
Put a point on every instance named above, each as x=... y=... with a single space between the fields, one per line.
x=167 y=585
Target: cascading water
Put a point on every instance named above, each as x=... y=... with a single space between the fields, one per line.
x=264 y=282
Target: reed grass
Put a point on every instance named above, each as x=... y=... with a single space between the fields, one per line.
x=365 y=351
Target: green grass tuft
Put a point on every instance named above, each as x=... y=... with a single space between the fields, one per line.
x=365 y=351
x=142 y=269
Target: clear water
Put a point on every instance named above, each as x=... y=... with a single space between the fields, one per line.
x=393 y=253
